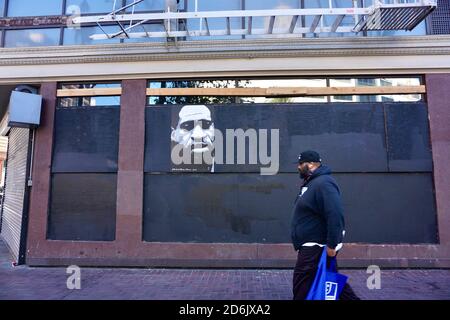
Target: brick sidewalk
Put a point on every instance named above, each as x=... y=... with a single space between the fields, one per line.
x=23 y=282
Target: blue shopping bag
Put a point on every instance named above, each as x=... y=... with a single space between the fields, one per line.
x=328 y=284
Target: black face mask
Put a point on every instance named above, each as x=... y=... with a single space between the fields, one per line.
x=305 y=173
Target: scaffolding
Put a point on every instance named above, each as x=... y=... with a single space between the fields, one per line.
x=382 y=15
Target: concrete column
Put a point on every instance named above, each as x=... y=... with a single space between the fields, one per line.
x=41 y=175
x=130 y=179
x=438 y=96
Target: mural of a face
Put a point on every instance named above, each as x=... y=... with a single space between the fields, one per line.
x=195 y=129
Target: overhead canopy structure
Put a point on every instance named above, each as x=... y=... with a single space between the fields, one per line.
x=382 y=15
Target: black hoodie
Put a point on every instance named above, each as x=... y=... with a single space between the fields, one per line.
x=318 y=214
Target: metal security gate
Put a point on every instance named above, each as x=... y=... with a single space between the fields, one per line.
x=14 y=205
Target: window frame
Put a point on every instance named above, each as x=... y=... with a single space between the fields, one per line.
x=3 y=43
x=6 y=9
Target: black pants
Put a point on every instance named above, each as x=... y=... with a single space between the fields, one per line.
x=305 y=272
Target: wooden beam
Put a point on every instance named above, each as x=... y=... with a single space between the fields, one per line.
x=207 y=92
x=89 y=92
x=285 y=91
x=368 y=90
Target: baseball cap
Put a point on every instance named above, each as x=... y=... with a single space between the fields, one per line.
x=309 y=156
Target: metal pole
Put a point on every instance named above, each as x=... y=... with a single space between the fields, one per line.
x=114 y=8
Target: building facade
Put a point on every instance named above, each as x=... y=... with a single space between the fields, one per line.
x=95 y=183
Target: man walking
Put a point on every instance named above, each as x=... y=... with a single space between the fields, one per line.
x=317 y=222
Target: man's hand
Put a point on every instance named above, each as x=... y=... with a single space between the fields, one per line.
x=331 y=252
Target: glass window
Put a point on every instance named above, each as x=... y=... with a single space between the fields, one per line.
x=147 y=28
x=215 y=23
x=157 y=5
x=311 y=99
x=74 y=36
x=194 y=84
x=378 y=82
x=367 y=82
x=97 y=101
x=378 y=98
x=348 y=21
x=32 y=37
x=270 y=82
x=368 y=3
x=242 y=83
x=282 y=99
x=155 y=100
x=208 y=5
x=411 y=81
x=419 y=30
x=89 y=85
x=327 y=21
x=89 y=101
x=387 y=99
x=400 y=1
x=281 y=24
x=148 y=5
x=22 y=8
x=2 y=7
x=271 y=4
x=85 y=6
x=343 y=98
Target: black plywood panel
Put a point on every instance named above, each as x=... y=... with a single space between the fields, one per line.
x=379 y=207
x=216 y=208
x=157 y=139
x=83 y=207
x=350 y=137
x=389 y=208
x=408 y=137
x=86 y=140
x=261 y=119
